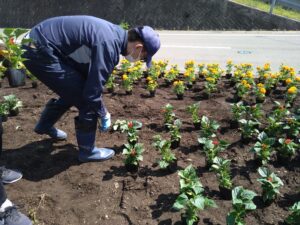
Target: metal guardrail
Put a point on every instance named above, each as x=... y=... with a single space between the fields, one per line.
x=293 y=4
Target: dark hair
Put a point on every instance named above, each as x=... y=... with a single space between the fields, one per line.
x=134 y=36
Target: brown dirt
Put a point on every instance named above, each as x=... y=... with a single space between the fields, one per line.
x=59 y=190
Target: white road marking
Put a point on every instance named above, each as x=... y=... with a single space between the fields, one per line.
x=231 y=35
x=197 y=47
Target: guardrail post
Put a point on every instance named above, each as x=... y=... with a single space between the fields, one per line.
x=272 y=6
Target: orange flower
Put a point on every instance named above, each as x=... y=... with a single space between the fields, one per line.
x=262 y=90
x=292 y=90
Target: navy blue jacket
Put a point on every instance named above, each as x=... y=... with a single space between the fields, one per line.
x=92 y=43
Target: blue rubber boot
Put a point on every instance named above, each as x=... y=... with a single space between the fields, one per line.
x=86 y=134
x=54 y=109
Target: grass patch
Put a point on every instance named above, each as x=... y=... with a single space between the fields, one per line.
x=278 y=9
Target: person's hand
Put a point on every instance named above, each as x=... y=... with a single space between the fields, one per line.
x=105 y=122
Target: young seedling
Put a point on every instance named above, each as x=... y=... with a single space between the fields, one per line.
x=175 y=133
x=242 y=204
x=127 y=83
x=4 y=111
x=171 y=75
x=238 y=110
x=249 y=129
x=263 y=147
x=287 y=149
x=194 y=111
x=169 y=115
x=212 y=148
x=292 y=126
x=130 y=128
x=208 y=127
x=179 y=88
x=191 y=197
x=151 y=86
x=13 y=104
x=110 y=84
x=270 y=184
x=167 y=157
x=254 y=112
x=222 y=168
x=133 y=154
x=294 y=217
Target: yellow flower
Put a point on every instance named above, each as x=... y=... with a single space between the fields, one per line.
x=248 y=86
x=262 y=90
x=266 y=75
x=229 y=62
x=175 y=83
x=274 y=75
x=260 y=85
x=149 y=78
x=249 y=74
x=267 y=66
x=125 y=77
x=210 y=79
x=288 y=81
x=130 y=70
x=298 y=78
x=244 y=82
x=292 y=90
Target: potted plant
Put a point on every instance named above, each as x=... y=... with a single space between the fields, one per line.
x=291 y=96
x=168 y=159
x=208 y=127
x=270 y=184
x=263 y=148
x=229 y=66
x=127 y=84
x=130 y=128
x=222 y=168
x=249 y=129
x=292 y=127
x=210 y=86
x=212 y=148
x=242 y=204
x=190 y=78
x=179 y=88
x=4 y=111
x=194 y=111
x=175 y=133
x=260 y=93
x=13 y=104
x=13 y=56
x=133 y=154
x=191 y=197
x=171 y=75
x=238 y=110
x=151 y=86
x=110 y=84
x=286 y=150
x=169 y=115
x=294 y=217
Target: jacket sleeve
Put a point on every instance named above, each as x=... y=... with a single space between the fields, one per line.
x=101 y=66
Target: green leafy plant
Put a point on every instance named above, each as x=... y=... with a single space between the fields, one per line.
x=242 y=203
x=238 y=110
x=128 y=127
x=263 y=147
x=210 y=85
x=294 y=217
x=194 y=111
x=270 y=184
x=249 y=128
x=110 y=84
x=208 y=127
x=178 y=87
x=171 y=74
x=127 y=82
x=292 y=126
x=124 y=25
x=212 y=148
x=287 y=147
x=175 y=130
x=168 y=113
x=12 y=102
x=133 y=154
x=222 y=168
x=4 y=110
x=254 y=112
x=13 y=51
x=191 y=197
x=164 y=148
x=125 y=65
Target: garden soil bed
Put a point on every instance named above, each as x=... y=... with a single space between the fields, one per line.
x=57 y=189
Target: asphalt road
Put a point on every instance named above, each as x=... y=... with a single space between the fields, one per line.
x=256 y=47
